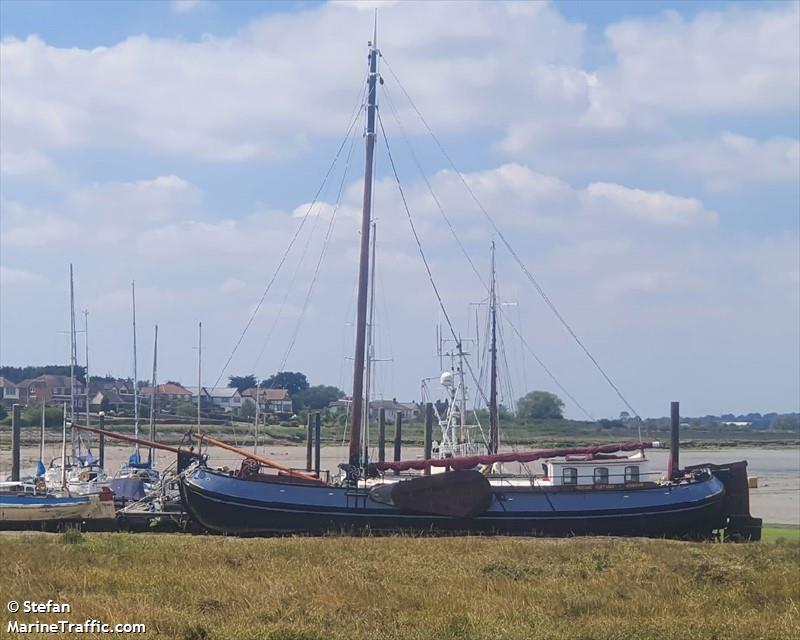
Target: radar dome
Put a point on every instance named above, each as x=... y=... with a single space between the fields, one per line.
x=446 y=379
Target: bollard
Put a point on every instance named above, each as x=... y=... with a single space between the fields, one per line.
x=101 y=445
x=428 y=434
x=309 y=442
x=398 y=437
x=382 y=435
x=317 y=438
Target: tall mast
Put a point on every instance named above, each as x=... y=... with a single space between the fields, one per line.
x=363 y=265
x=135 y=372
x=41 y=443
x=73 y=354
x=151 y=453
x=370 y=348
x=199 y=370
x=494 y=439
x=64 y=448
x=86 y=343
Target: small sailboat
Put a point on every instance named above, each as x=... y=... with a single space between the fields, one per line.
x=585 y=490
x=28 y=504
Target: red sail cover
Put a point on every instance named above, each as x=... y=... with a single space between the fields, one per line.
x=470 y=462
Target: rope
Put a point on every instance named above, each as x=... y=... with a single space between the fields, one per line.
x=322 y=254
x=464 y=250
x=510 y=249
x=291 y=242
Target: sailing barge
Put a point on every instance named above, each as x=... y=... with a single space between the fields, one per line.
x=463 y=494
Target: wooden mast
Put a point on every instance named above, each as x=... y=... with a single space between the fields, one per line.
x=135 y=373
x=363 y=265
x=493 y=414
x=151 y=458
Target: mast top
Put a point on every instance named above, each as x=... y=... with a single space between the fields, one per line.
x=375 y=31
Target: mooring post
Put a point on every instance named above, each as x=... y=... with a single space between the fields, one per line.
x=101 y=445
x=15 y=440
x=675 y=441
x=398 y=437
x=309 y=441
x=317 y=439
x=428 y=434
x=382 y=435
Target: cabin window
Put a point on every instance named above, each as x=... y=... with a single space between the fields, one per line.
x=631 y=474
x=569 y=475
x=601 y=475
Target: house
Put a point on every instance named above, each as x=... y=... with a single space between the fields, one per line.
x=107 y=394
x=273 y=400
x=169 y=391
x=10 y=392
x=226 y=398
x=53 y=389
x=408 y=410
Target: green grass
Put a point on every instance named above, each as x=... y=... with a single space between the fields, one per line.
x=780 y=533
x=206 y=588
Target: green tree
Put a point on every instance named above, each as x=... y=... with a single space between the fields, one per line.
x=293 y=381
x=242 y=382
x=3 y=412
x=316 y=398
x=248 y=409
x=538 y=405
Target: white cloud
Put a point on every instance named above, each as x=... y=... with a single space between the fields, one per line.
x=19 y=277
x=657 y=207
x=731 y=161
x=730 y=61
x=186 y=6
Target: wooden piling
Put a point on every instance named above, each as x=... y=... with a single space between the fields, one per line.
x=382 y=435
x=674 y=440
x=398 y=437
x=309 y=442
x=101 y=445
x=16 y=424
x=428 y=434
x=317 y=439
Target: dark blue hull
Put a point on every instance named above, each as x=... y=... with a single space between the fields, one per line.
x=226 y=504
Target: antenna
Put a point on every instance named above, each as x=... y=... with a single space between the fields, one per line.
x=375 y=30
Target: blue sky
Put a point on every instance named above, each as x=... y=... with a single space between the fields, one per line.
x=642 y=157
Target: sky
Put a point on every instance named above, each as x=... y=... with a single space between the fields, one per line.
x=642 y=160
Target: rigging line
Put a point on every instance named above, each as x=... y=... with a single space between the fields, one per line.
x=544 y=367
x=299 y=228
x=510 y=249
x=450 y=226
x=425 y=260
x=323 y=252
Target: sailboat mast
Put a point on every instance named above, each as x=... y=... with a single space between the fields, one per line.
x=363 y=265
x=135 y=371
x=199 y=370
x=370 y=349
x=73 y=354
x=41 y=443
x=493 y=414
x=86 y=343
x=255 y=425
x=151 y=452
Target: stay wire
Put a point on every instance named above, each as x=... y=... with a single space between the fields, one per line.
x=323 y=252
x=425 y=259
x=253 y=315
x=510 y=249
x=457 y=239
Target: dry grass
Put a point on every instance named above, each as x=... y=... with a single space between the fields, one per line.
x=203 y=588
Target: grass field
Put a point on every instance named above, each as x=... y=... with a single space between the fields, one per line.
x=780 y=532
x=203 y=588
